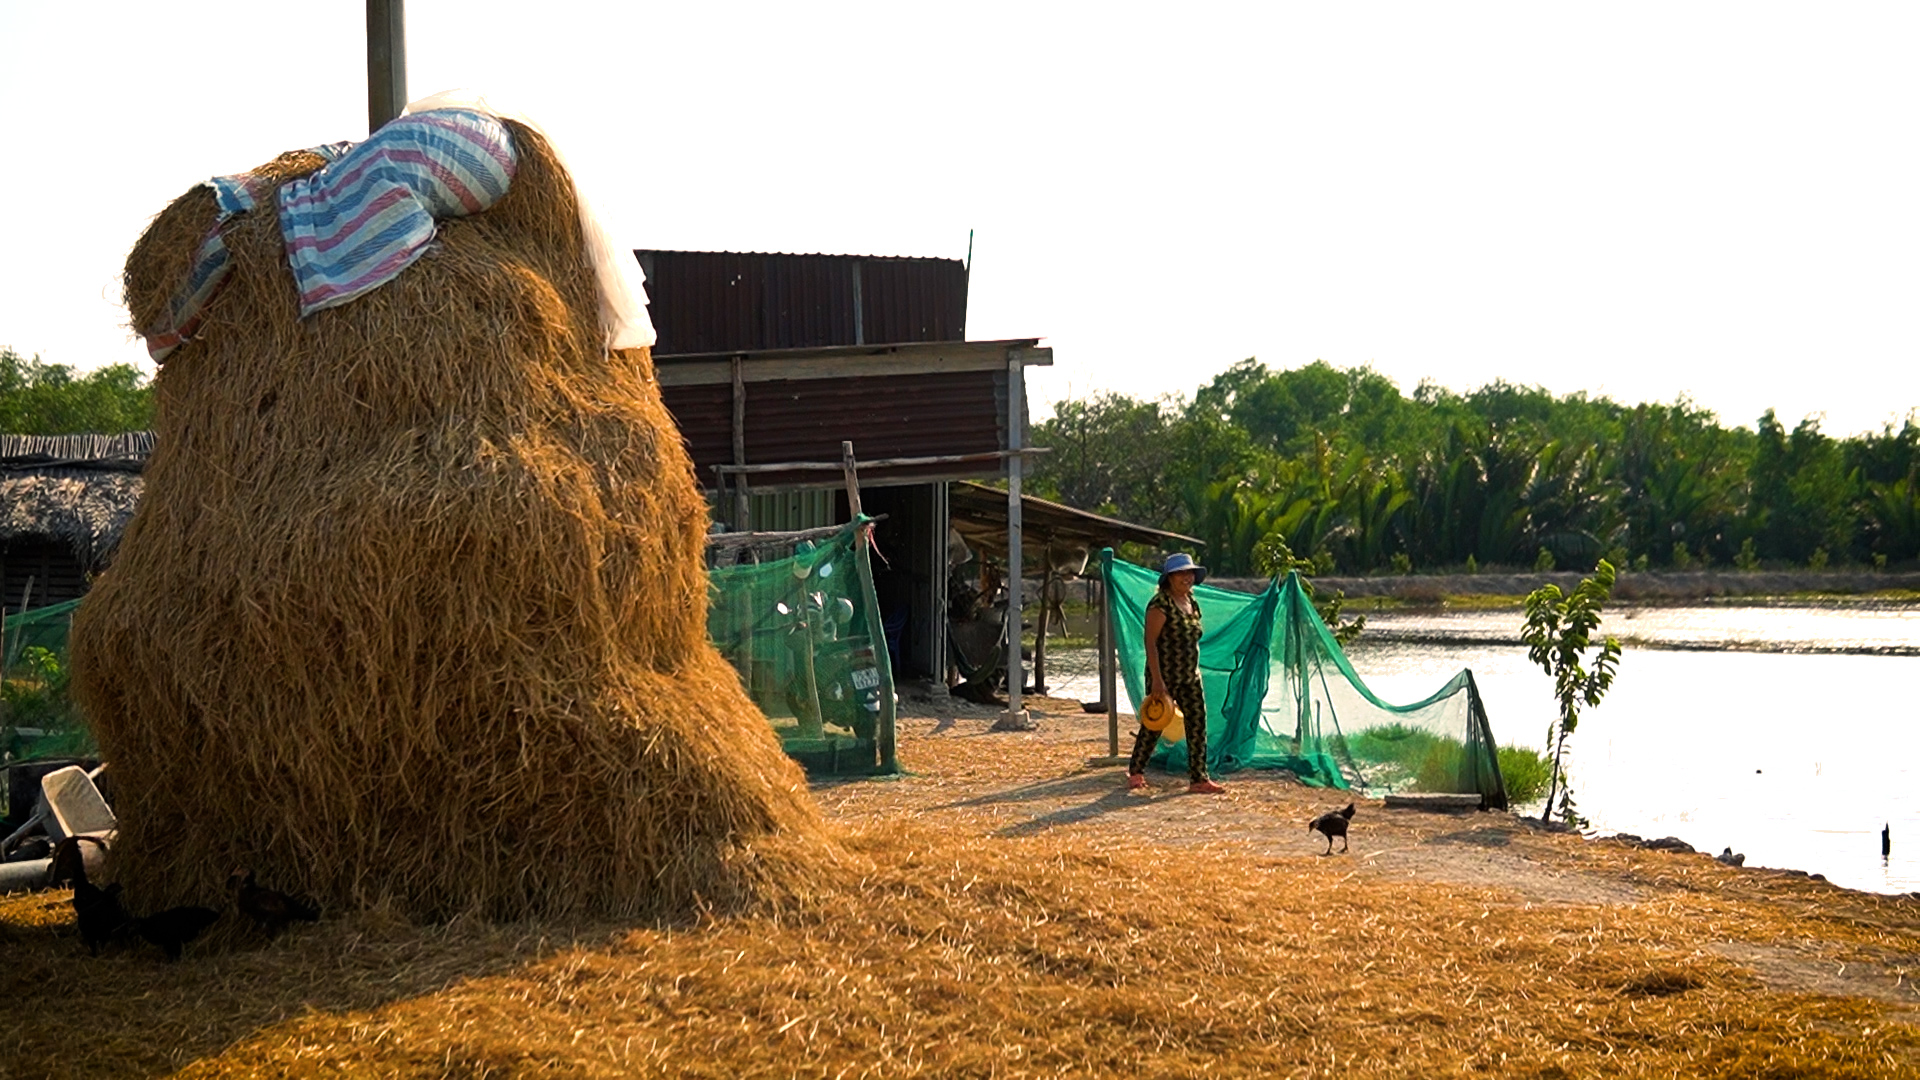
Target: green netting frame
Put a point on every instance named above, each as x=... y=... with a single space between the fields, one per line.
x=840 y=718
x=38 y=721
x=1281 y=694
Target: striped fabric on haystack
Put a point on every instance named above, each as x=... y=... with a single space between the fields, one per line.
x=362 y=219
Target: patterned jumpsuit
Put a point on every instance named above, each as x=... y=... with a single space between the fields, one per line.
x=1179 y=645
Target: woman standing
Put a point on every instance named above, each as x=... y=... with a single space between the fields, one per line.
x=1173 y=669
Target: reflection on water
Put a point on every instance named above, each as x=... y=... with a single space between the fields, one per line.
x=1796 y=759
x=1852 y=628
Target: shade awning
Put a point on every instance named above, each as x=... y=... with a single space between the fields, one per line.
x=979 y=514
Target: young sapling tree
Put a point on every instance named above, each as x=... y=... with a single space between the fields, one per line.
x=1559 y=635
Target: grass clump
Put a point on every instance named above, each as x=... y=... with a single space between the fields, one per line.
x=1403 y=757
x=1525 y=772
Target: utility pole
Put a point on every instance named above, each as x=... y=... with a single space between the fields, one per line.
x=386 y=61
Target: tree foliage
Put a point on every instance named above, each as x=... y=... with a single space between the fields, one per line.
x=51 y=399
x=1559 y=634
x=1272 y=558
x=1352 y=473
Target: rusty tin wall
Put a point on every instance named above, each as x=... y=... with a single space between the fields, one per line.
x=888 y=416
x=723 y=301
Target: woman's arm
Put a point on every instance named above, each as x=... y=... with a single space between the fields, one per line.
x=1156 y=685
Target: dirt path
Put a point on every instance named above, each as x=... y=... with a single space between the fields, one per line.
x=960 y=772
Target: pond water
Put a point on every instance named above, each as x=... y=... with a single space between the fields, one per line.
x=1788 y=734
x=1852 y=628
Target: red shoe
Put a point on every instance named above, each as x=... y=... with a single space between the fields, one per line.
x=1206 y=787
x=1135 y=781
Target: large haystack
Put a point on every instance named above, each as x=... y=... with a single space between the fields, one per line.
x=413 y=610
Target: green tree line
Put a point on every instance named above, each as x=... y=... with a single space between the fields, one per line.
x=52 y=399
x=1350 y=472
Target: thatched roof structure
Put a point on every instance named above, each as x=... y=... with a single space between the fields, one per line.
x=79 y=490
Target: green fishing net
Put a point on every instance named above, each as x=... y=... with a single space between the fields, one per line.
x=804 y=632
x=1281 y=694
x=38 y=721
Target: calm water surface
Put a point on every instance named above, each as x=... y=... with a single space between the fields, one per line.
x=1795 y=759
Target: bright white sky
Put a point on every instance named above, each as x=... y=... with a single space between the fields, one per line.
x=1641 y=200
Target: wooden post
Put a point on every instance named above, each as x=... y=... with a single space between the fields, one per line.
x=386 y=61
x=742 y=508
x=885 y=721
x=851 y=472
x=1040 y=632
x=742 y=522
x=9 y=653
x=942 y=571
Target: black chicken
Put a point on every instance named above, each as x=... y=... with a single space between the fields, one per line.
x=1331 y=824
x=97 y=910
x=270 y=911
x=174 y=927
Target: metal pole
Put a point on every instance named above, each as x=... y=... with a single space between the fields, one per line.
x=386 y=61
x=1015 y=718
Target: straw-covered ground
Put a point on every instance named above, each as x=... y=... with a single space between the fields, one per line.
x=1004 y=910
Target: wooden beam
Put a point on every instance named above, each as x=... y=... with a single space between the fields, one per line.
x=850 y=362
x=769 y=539
x=883 y=463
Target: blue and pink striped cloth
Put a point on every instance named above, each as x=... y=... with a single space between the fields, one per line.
x=365 y=216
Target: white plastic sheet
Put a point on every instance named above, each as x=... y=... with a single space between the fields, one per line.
x=623 y=304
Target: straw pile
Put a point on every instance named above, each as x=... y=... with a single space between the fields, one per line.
x=965 y=955
x=413 y=611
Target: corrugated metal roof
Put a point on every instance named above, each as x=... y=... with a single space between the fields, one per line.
x=726 y=301
x=980 y=513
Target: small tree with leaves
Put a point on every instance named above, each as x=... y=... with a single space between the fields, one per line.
x=1272 y=557
x=1559 y=635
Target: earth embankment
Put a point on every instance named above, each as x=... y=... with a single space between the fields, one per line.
x=1655 y=586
